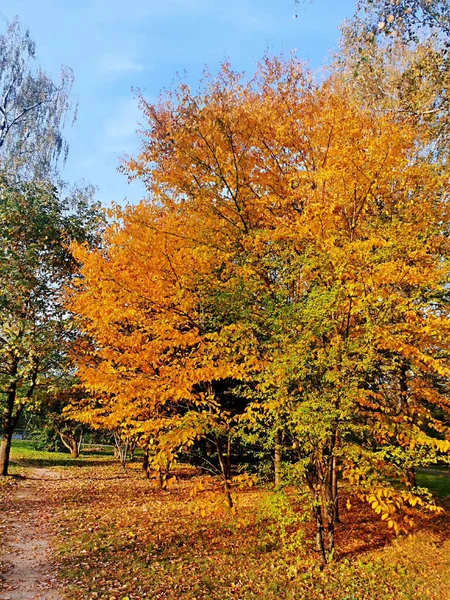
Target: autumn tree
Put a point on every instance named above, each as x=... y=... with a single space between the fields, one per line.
x=46 y=412
x=295 y=199
x=295 y=241
x=152 y=355
x=407 y=18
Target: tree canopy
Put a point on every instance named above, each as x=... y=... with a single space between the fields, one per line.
x=35 y=264
x=295 y=242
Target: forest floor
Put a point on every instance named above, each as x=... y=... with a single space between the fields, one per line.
x=89 y=530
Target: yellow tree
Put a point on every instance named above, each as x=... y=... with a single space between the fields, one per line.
x=151 y=356
x=296 y=241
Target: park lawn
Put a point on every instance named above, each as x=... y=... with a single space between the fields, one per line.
x=121 y=538
x=436 y=480
x=24 y=452
x=118 y=537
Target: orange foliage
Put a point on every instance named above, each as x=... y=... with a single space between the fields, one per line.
x=293 y=241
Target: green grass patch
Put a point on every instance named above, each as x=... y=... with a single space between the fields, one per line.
x=24 y=453
x=436 y=480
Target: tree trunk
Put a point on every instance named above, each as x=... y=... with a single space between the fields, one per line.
x=122 y=449
x=72 y=443
x=411 y=476
x=8 y=423
x=277 y=458
x=321 y=484
x=145 y=463
x=132 y=448
x=331 y=518
x=10 y=419
x=334 y=485
x=74 y=452
x=123 y=455
x=225 y=467
x=324 y=512
x=320 y=542
x=162 y=478
x=5 y=447
x=228 y=460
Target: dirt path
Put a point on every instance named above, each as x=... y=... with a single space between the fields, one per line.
x=27 y=536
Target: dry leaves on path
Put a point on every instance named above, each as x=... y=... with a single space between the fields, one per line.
x=29 y=572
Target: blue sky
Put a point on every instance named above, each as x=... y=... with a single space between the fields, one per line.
x=114 y=46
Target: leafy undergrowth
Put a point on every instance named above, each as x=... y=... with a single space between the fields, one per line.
x=120 y=538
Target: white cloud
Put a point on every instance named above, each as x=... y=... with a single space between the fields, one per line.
x=116 y=64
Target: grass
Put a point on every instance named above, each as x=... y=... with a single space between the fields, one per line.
x=119 y=538
x=436 y=480
x=25 y=453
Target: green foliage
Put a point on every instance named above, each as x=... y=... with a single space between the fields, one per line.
x=46 y=439
x=283 y=516
x=35 y=265
x=436 y=481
